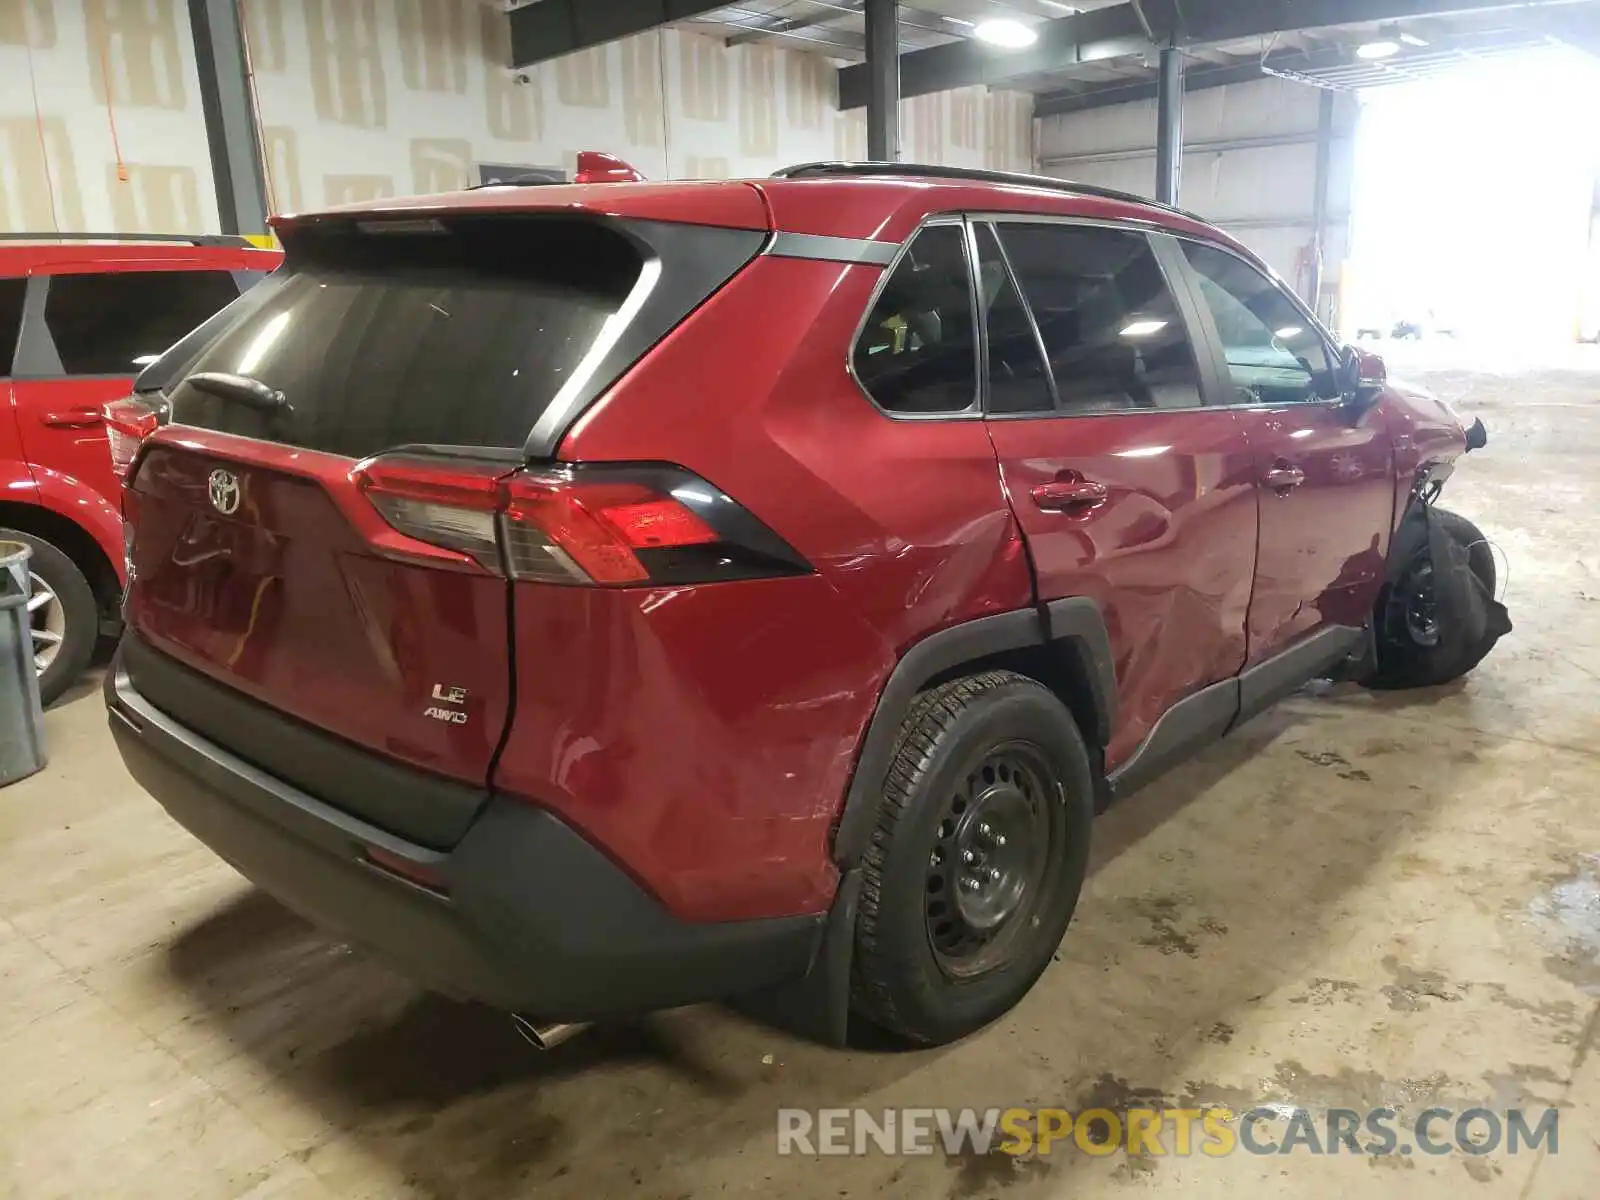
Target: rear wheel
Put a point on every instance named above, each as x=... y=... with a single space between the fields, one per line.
x=62 y=614
x=977 y=860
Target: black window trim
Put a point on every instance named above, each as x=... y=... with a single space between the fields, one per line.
x=1178 y=285
x=37 y=358
x=1180 y=262
x=974 y=410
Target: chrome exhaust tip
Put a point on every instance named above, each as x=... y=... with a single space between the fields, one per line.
x=546 y=1036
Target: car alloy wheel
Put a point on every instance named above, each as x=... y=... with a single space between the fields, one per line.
x=48 y=618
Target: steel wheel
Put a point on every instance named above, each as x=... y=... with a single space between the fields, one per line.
x=48 y=617
x=986 y=874
x=1420 y=610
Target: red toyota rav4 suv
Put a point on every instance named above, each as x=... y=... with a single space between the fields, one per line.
x=600 y=598
x=80 y=316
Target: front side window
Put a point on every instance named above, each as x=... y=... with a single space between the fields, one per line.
x=1111 y=328
x=116 y=323
x=1275 y=354
x=917 y=354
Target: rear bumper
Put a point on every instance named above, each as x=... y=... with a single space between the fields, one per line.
x=531 y=917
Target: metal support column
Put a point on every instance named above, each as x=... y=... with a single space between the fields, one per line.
x=1319 y=202
x=1169 y=126
x=883 y=80
x=225 y=100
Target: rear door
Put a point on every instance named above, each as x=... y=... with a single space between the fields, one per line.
x=317 y=530
x=98 y=329
x=1326 y=476
x=1129 y=490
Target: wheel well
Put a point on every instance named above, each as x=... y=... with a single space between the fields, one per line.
x=1066 y=674
x=73 y=541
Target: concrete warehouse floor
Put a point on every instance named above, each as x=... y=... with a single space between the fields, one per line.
x=1358 y=900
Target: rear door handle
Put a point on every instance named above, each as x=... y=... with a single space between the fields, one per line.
x=73 y=418
x=1070 y=495
x=1284 y=479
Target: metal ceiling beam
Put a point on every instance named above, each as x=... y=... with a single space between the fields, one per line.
x=910 y=18
x=551 y=28
x=787 y=25
x=1102 y=33
x=883 y=78
x=1118 y=30
x=1196 y=79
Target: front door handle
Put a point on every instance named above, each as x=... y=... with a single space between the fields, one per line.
x=73 y=418
x=1283 y=478
x=1070 y=495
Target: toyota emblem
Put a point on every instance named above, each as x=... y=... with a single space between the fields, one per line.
x=224 y=489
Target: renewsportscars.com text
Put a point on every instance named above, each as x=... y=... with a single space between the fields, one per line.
x=1270 y=1129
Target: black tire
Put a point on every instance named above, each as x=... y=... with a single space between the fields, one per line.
x=82 y=622
x=1407 y=660
x=954 y=735
x=1480 y=555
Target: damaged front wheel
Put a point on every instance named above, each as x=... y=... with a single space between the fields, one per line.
x=1440 y=617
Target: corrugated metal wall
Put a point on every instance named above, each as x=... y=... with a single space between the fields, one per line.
x=1249 y=166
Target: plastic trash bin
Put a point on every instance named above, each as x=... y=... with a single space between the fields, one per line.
x=21 y=718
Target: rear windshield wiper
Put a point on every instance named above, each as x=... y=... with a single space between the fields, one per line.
x=250 y=392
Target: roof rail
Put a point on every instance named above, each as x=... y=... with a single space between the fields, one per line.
x=189 y=239
x=905 y=170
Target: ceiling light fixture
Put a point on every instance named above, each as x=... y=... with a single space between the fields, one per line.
x=1142 y=328
x=1412 y=39
x=1382 y=48
x=1006 y=34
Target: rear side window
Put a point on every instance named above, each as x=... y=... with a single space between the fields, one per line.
x=422 y=335
x=918 y=353
x=10 y=320
x=1113 y=333
x=118 y=322
x=1018 y=380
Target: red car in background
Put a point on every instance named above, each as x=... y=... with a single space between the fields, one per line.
x=80 y=316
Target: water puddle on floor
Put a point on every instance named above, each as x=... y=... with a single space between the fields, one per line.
x=1569 y=914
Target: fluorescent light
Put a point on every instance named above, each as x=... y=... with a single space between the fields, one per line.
x=1144 y=452
x=1007 y=34
x=144 y=360
x=1287 y=332
x=1383 y=48
x=1136 y=329
x=1412 y=39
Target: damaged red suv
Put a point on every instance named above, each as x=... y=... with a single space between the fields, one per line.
x=598 y=598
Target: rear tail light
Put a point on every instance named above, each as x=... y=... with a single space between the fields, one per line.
x=441 y=503
x=128 y=422
x=599 y=524
x=566 y=532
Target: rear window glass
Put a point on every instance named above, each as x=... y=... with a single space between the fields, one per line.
x=917 y=354
x=453 y=335
x=116 y=323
